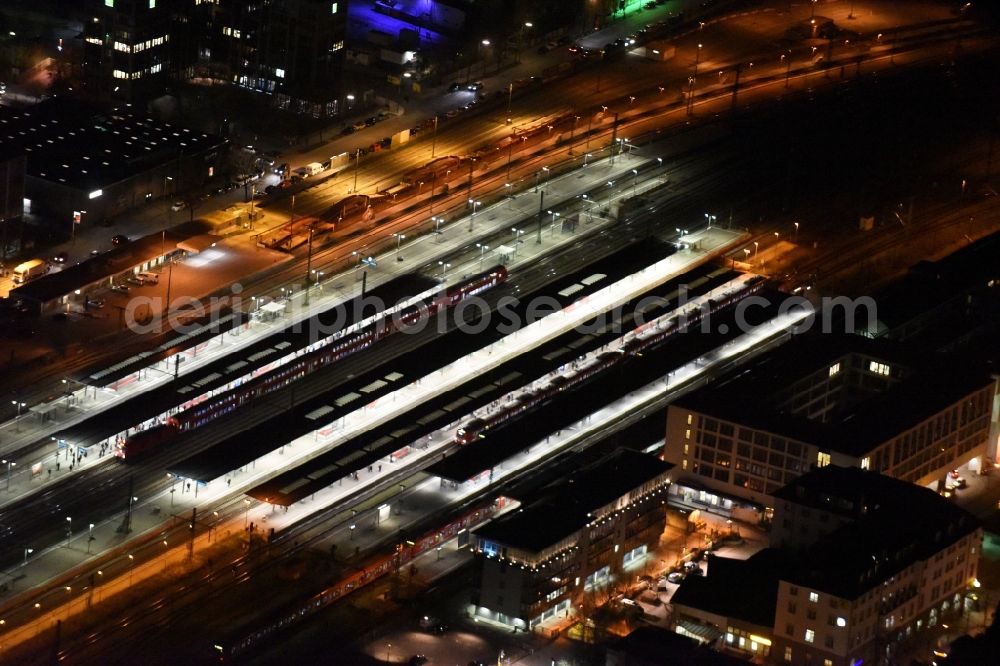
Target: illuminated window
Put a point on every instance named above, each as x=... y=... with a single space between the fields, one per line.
x=333 y=8
x=834 y=369
x=109 y=3
x=878 y=368
x=813 y=597
x=339 y=45
x=827 y=662
x=788 y=653
x=155 y=68
x=841 y=621
x=687 y=433
x=119 y=74
x=810 y=635
x=684 y=464
x=690 y=419
x=152 y=4
x=822 y=459
x=866 y=463
x=280 y=73
x=122 y=46
x=94 y=40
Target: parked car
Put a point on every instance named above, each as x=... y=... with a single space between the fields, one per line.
x=60 y=258
x=360 y=125
x=119 y=239
x=95 y=303
x=476 y=87
x=370 y=120
x=178 y=205
x=454 y=86
x=675 y=577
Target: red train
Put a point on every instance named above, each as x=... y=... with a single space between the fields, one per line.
x=477 y=427
x=331 y=352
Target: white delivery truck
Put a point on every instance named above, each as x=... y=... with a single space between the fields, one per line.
x=313 y=168
x=30 y=270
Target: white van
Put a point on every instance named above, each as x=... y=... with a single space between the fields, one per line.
x=30 y=270
x=149 y=278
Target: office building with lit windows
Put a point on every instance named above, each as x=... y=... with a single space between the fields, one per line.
x=862 y=563
x=128 y=50
x=580 y=536
x=290 y=49
x=820 y=400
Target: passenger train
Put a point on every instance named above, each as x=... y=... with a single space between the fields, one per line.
x=213 y=407
x=478 y=427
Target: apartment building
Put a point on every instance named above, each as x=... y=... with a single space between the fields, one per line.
x=578 y=537
x=891 y=559
x=820 y=400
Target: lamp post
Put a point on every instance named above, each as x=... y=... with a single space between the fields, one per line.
x=246 y=515
x=131 y=568
x=482 y=252
x=697 y=59
x=635 y=181
x=710 y=218
x=472 y=218
x=90 y=537
x=796 y=232
x=9 y=463
x=517 y=237
x=27 y=551
x=69 y=530
x=17 y=420
x=552 y=228
x=444 y=269
x=399 y=240
x=437 y=224
x=756 y=250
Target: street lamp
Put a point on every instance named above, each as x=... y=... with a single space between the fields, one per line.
x=246 y=516
x=472 y=218
x=17 y=421
x=635 y=180
x=482 y=252
x=710 y=218
x=697 y=59
x=9 y=463
x=90 y=537
x=444 y=269
x=69 y=530
x=517 y=237
x=552 y=229
x=131 y=568
x=437 y=224
x=399 y=240
x=27 y=551
x=796 y=232
x=756 y=250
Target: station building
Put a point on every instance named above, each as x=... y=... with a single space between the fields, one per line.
x=861 y=563
x=578 y=536
x=819 y=400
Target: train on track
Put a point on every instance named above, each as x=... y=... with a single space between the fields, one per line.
x=274 y=379
x=644 y=339
x=404 y=553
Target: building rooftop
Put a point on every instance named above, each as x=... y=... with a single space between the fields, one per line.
x=561 y=509
x=749 y=396
x=929 y=284
x=756 y=578
x=900 y=524
x=87 y=148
